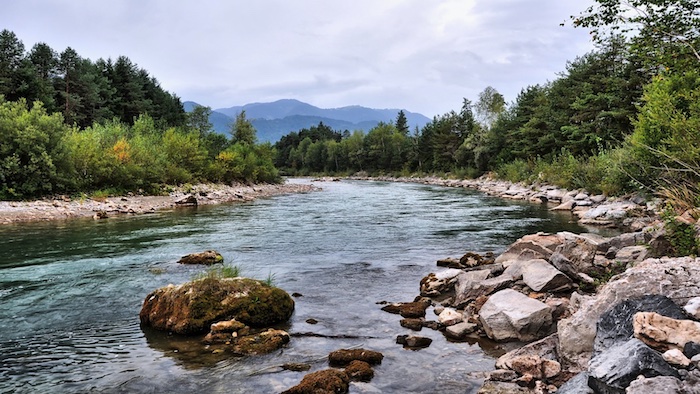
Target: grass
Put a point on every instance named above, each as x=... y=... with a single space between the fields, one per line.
x=220 y=272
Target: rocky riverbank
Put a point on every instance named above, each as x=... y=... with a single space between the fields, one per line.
x=65 y=207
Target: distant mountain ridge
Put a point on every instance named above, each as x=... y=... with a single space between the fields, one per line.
x=276 y=119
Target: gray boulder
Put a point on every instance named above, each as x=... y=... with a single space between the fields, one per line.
x=470 y=290
x=510 y=315
x=539 y=275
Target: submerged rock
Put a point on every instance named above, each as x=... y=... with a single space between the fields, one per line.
x=192 y=307
x=343 y=357
x=327 y=381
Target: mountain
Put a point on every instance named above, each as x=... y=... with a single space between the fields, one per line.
x=276 y=119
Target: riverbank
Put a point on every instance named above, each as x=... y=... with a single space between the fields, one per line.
x=201 y=194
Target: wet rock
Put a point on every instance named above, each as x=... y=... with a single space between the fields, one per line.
x=436 y=284
x=327 y=381
x=408 y=309
x=412 y=324
x=616 y=325
x=261 y=343
x=186 y=201
x=311 y=321
x=100 y=215
x=460 y=330
x=208 y=257
x=471 y=259
x=541 y=276
x=192 y=307
x=509 y=315
x=414 y=342
x=675 y=278
x=664 y=333
x=359 y=371
x=343 y=357
x=296 y=367
x=614 y=369
x=692 y=307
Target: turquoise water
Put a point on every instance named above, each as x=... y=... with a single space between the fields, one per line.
x=71 y=291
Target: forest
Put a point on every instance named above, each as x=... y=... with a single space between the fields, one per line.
x=623 y=118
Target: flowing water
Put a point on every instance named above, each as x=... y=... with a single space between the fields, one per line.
x=70 y=292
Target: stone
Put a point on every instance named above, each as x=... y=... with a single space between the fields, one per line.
x=615 y=368
x=631 y=254
x=192 y=307
x=656 y=385
x=296 y=367
x=693 y=307
x=450 y=317
x=416 y=342
x=560 y=307
x=576 y=255
x=664 y=333
x=676 y=278
x=261 y=343
x=208 y=257
x=493 y=387
x=471 y=259
x=359 y=371
x=189 y=200
x=565 y=206
x=466 y=281
x=468 y=293
x=581 y=196
x=343 y=357
x=676 y=357
x=510 y=315
x=539 y=245
x=545 y=348
x=691 y=349
x=576 y=385
x=460 y=330
x=327 y=381
x=408 y=309
x=412 y=324
x=616 y=325
x=439 y=283
x=503 y=375
x=535 y=366
x=541 y=276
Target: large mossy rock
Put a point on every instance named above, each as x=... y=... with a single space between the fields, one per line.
x=192 y=307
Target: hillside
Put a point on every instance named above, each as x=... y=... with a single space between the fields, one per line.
x=276 y=119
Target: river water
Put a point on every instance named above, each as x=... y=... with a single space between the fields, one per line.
x=70 y=292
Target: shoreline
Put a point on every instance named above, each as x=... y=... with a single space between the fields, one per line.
x=65 y=208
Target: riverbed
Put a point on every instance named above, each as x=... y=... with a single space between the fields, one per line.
x=71 y=290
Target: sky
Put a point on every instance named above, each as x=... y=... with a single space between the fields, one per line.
x=423 y=56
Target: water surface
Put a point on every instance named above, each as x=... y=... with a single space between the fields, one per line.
x=71 y=291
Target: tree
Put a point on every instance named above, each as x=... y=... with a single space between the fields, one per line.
x=489 y=106
x=402 y=123
x=665 y=32
x=242 y=131
x=198 y=120
x=11 y=57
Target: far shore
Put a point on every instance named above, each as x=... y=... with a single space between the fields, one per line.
x=64 y=207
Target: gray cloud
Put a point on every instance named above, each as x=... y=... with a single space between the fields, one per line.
x=420 y=55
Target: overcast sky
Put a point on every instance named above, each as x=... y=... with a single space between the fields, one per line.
x=420 y=55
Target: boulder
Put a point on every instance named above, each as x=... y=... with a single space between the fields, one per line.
x=208 y=257
x=691 y=349
x=614 y=369
x=436 y=284
x=359 y=371
x=565 y=206
x=541 y=276
x=327 y=381
x=189 y=200
x=192 y=307
x=466 y=281
x=545 y=348
x=460 y=330
x=664 y=333
x=576 y=255
x=450 y=317
x=412 y=324
x=538 y=245
x=408 y=310
x=616 y=325
x=416 y=342
x=657 y=385
x=343 y=357
x=676 y=357
x=577 y=385
x=676 y=278
x=469 y=288
x=510 y=315
x=631 y=254
x=535 y=366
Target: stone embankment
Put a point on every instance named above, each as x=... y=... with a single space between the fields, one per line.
x=583 y=313
x=65 y=207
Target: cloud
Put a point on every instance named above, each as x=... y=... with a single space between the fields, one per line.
x=424 y=56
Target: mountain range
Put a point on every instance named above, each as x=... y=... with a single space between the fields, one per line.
x=276 y=119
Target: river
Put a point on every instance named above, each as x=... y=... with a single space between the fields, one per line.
x=71 y=291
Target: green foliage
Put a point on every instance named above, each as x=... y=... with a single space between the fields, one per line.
x=681 y=235
x=220 y=272
x=242 y=131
